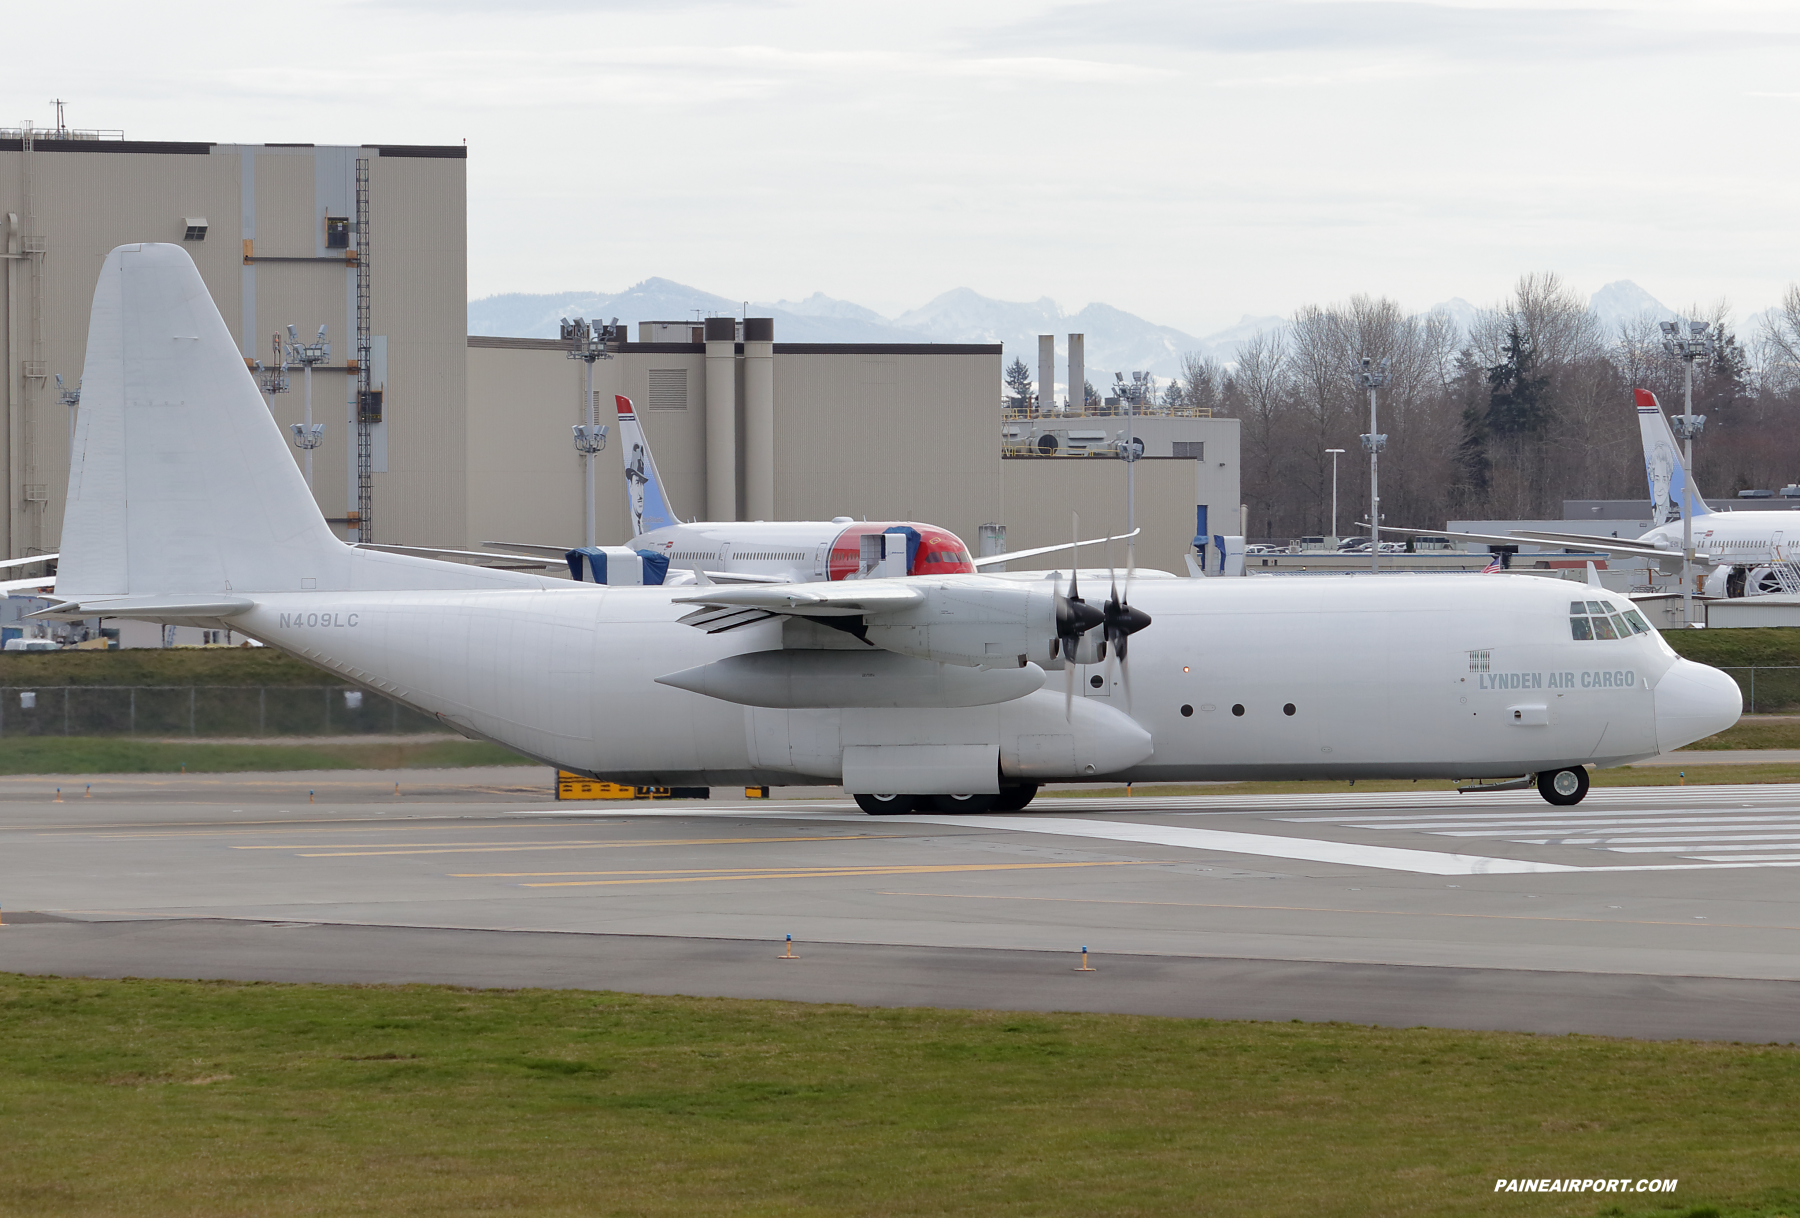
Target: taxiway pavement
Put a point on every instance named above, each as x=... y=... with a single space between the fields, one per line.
x=1663 y=912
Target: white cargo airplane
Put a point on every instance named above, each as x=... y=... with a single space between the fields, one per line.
x=184 y=506
x=1735 y=553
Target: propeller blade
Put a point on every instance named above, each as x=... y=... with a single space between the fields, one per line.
x=1075 y=556
x=1068 y=689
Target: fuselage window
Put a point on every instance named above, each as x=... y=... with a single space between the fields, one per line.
x=1603 y=628
x=1578 y=628
x=1638 y=624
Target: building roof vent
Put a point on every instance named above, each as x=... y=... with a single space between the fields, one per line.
x=196 y=228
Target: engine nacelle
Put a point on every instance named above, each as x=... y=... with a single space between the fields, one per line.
x=997 y=624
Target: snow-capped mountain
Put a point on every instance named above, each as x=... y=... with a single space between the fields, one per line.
x=1624 y=301
x=1117 y=341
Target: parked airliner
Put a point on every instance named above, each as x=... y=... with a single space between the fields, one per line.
x=664 y=549
x=184 y=506
x=1735 y=553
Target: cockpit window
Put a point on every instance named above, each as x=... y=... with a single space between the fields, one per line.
x=1603 y=620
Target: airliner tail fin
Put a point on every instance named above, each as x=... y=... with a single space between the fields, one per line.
x=1662 y=463
x=645 y=497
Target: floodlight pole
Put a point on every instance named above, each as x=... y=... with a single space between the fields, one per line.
x=1700 y=344
x=307 y=437
x=1334 y=515
x=1373 y=377
x=587 y=343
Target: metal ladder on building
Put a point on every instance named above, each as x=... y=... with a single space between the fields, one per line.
x=365 y=448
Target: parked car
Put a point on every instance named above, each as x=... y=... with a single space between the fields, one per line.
x=33 y=645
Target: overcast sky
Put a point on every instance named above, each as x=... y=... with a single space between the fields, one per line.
x=1189 y=162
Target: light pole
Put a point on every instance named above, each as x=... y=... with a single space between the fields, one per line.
x=1373 y=377
x=1700 y=344
x=1334 y=456
x=308 y=435
x=1142 y=385
x=587 y=344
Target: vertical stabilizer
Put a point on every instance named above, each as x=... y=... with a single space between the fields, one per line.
x=1662 y=463
x=645 y=498
x=179 y=481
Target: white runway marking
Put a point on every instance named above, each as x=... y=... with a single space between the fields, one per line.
x=1268 y=845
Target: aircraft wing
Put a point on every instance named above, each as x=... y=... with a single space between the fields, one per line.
x=744 y=577
x=26 y=562
x=848 y=598
x=1596 y=545
x=995 y=559
x=722 y=609
x=43 y=582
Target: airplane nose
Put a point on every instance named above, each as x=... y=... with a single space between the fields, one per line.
x=1693 y=702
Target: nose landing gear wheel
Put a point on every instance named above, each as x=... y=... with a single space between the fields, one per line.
x=887 y=805
x=1564 y=787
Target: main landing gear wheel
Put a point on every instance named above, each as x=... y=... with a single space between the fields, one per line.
x=1564 y=787
x=966 y=804
x=886 y=805
x=1014 y=798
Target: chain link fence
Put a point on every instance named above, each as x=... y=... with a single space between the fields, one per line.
x=1768 y=689
x=204 y=710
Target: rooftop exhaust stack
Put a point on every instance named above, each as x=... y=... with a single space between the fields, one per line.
x=721 y=418
x=1077 y=373
x=759 y=418
x=1046 y=373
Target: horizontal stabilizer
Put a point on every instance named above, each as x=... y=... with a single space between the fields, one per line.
x=484 y=555
x=147 y=608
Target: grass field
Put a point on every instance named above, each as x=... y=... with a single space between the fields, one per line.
x=125 y=755
x=1777 y=646
x=168 y=1098
x=156 y=666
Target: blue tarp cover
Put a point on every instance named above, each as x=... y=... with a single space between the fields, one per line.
x=656 y=566
x=596 y=563
x=912 y=544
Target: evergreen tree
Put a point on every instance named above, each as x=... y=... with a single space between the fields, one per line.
x=1475 y=467
x=1518 y=396
x=1018 y=384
